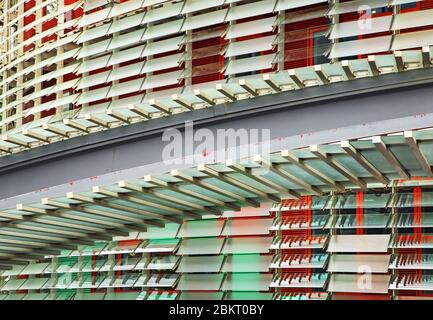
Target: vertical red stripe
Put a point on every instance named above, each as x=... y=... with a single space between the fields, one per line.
x=93 y=273
x=119 y=273
x=359 y=212
x=417 y=230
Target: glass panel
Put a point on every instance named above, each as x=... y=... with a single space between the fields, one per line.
x=161 y=245
x=247 y=263
x=247 y=227
x=413 y=282
x=359 y=243
x=359 y=263
x=376 y=200
x=201 y=246
x=204 y=282
x=248 y=296
x=299 y=242
x=350 y=283
x=296 y=280
x=247 y=245
x=414 y=241
x=408 y=220
x=201 y=228
x=318 y=203
x=122 y=296
x=200 y=264
x=247 y=282
x=157 y=263
x=412 y=261
x=35 y=268
x=201 y=295
x=349 y=221
x=308 y=261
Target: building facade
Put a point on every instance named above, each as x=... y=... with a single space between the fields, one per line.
x=337 y=207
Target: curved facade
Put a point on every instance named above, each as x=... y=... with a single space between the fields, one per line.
x=76 y=67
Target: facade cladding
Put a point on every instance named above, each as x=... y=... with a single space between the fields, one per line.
x=74 y=67
x=358 y=224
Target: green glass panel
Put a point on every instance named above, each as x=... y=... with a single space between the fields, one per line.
x=247 y=282
x=368 y=221
x=65 y=294
x=122 y=296
x=248 y=296
x=247 y=263
x=36 y=296
x=201 y=295
x=376 y=200
x=14 y=296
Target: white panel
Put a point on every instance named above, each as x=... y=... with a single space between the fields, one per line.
x=198 y=5
x=162 y=30
x=247 y=282
x=94 y=33
x=413 y=40
x=160 y=246
x=204 y=20
x=95 y=48
x=359 y=263
x=169 y=231
x=161 y=80
x=13 y=285
x=200 y=264
x=34 y=284
x=65 y=100
x=201 y=295
x=359 y=243
x=94 y=64
x=162 y=63
x=126 y=23
x=125 y=7
x=354 y=283
x=162 y=46
x=247 y=245
x=251 y=10
x=126 y=55
x=208 y=282
x=93 y=80
x=34 y=268
x=125 y=87
x=252 y=27
x=359 y=27
x=93 y=95
x=94 y=17
x=93 y=4
x=201 y=246
x=168 y=11
x=126 y=71
x=16 y=270
x=36 y=296
x=357 y=5
x=126 y=39
x=201 y=228
x=241 y=227
x=247 y=263
x=250 y=64
x=250 y=46
x=400 y=2
x=413 y=19
x=293 y=4
x=357 y=47
x=262 y=211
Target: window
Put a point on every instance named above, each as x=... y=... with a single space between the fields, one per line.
x=320 y=46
